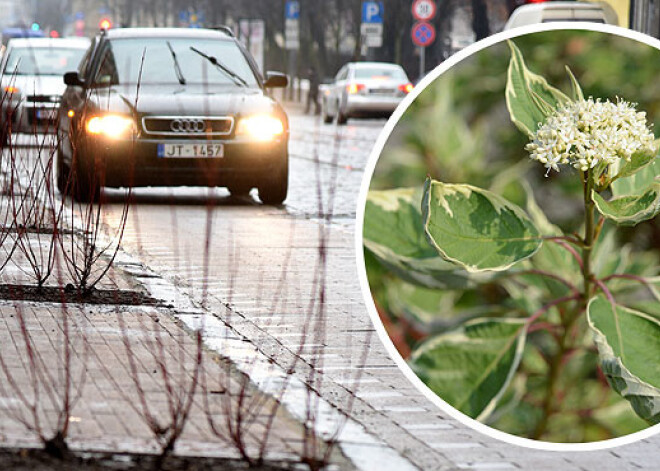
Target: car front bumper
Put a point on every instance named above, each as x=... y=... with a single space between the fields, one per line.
x=122 y=163
x=24 y=116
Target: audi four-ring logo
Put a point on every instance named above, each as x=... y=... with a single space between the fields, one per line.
x=188 y=125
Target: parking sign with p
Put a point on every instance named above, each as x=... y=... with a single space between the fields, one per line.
x=372 y=12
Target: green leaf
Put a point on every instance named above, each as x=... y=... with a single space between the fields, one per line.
x=638 y=161
x=630 y=210
x=638 y=182
x=529 y=97
x=475 y=228
x=433 y=310
x=629 y=347
x=394 y=234
x=471 y=367
x=576 y=90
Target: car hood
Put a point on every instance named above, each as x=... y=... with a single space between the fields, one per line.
x=36 y=84
x=183 y=100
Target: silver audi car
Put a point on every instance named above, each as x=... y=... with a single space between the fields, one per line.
x=31 y=81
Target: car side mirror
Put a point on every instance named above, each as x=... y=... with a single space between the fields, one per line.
x=276 y=80
x=73 y=79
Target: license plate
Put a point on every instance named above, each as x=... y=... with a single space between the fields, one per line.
x=191 y=151
x=46 y=114
x=382 y=91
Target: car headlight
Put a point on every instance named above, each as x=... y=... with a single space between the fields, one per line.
x=261 y=127
x=112 y=125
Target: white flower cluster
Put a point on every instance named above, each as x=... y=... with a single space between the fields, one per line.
x=587 y=132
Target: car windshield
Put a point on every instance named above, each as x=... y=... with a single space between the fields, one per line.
x=43 y=60
x=172 y=61
x=380 y=72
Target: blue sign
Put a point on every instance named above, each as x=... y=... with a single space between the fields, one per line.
x=372 y=12
x=292 y=10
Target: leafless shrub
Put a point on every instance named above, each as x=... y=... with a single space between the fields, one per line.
x=46 y=383
x=35 y=214
x=88 y=261
x=178 y=365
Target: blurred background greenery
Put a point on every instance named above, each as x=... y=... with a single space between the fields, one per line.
x=458 y=130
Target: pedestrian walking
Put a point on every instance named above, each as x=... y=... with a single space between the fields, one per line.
x=313 y=93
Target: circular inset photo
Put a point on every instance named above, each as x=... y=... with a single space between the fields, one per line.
x=510 y=237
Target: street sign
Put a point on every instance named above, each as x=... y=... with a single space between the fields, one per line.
x=292 y=10
x=423 y=34
x=424 y=10
x=371 y=29
x=292 y=25
x=373 y=41
x=372 y=12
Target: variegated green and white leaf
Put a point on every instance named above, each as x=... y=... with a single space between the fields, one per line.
x=475 y=228
x=576 y=89
x=629 y=347
x=434 y=310
x=638 y=182
x=529 y=97
x=630 y=210
x=394 y=234
x=638 y=161
x=471 y=367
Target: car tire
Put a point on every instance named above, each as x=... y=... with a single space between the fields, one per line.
x=274 y=188
x=327 y=117
x=239 y=189
x=62 y=174
x=4 y=135
x=341 y=117
x=85 y=187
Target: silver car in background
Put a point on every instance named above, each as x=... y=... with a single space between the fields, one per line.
x=364 y=89
x=32 y=84
x=547 y=12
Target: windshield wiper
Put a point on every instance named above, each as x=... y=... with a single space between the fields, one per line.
x=237 y=79
x=177 y=67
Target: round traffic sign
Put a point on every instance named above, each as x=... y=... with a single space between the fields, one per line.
x=423 y=34
x=423 y=10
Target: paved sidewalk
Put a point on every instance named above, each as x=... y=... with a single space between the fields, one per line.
x=109 y=415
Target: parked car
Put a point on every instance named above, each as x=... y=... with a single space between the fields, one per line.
x=31 y=82
x=171 y=107
x=364 y=89
x=561 y=11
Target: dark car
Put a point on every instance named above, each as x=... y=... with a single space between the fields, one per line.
x=171 y=107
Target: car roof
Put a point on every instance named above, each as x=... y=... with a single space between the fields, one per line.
x=563 y=6
x=366 y=65
x=197 y=33
x=76 y=43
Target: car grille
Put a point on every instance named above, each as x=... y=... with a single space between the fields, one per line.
x=43 y=98
x=187 y=125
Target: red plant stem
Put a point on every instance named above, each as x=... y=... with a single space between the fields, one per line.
x=551 y=304
x=572 y=250
x=608 y=293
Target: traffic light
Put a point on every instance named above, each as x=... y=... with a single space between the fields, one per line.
x=54 y=34
x=35 y=27
x=105 y=23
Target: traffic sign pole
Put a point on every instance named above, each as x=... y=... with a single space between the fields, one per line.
x=423 y=33
x=422 y=61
